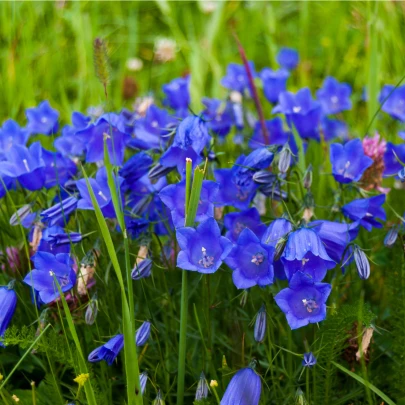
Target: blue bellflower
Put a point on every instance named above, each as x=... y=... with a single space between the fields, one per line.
x=274 y=83
x=366 y=211
x=334 y=96
x=393 y=101
x=45 y=244
x=108 y=351
x=236 y=78
x=218 y=115
x=135 y=168
x=277 y=134
x=42 y=119
x=304 y=301
x=173 y=196
x=202 y=249
x=288 y=58
x=362 y=263
x=305 y=252
x=58 y=169
x=309 y=360
x=8 y=304
x=11 y=134
x=142 y=269
x=62 y=238
x=391 y=165
x=142 y=334
x=59 y=213
x=244 y=388
x=48 y=266
x=251 y=261
x=333 y=128
x=178 y=95
x=349 y=161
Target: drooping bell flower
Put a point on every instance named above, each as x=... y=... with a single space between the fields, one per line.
x=305 y=252
x=349 y=161
x=202 y=388
x=251 y=261
x=202 y=249
x=91 y=311
x=62 y=238
x=46 y=242
x=309 y=360
x=236 y=222
x=8 y=304
x=47 y=268
x=391 y=236
x=260 y=325
x=244 y=388
x=11 y=134
x=288 y=58
x=362 y=263
x=274 y=83
x=218 y=115
x=135 y=168
x=59 y=213
x=108 y=351
x=236 y=78
x=278 y=134
x=304 y=301
x=173 y=196
x=391 y=164
x=393 y=101
x=366 y=211
x=178 y=95
x=284 y=161
x=333 y=128
x=142 y=334
x=42 y=119
x=334 y=96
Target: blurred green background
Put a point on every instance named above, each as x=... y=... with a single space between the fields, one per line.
x=47 y=47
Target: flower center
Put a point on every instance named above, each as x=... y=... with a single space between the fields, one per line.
x=206 y=261
x=310 y=304
x=296 y=109
x=26 y=165
x=239 y=227
x=44 y=120
x=100 y=193
x=258 y=259
x=334 y=99
x=154 y=124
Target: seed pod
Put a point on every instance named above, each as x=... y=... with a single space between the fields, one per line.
x=202 y=388
x=284 y=160
x=391 y=236
x=260 y=325
x=264 y=177
x=362 y=263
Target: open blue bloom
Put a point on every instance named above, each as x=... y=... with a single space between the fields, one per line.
x=237 y=186
x=218 y=115
x=11 y=134
x=236 y=222
x=333 y=128
x=142 y=334
x=42 y=119
x=26 y=165
x=394 y=105
x=58 y=169
x=135 y=226
x=8 y=303
x=109 y=126
x=61 y=238
x=48 y=267
x=288 y=58
x=108 y=351
x=135 y=168
x=236 y=78
x=152 y=130
x=101 y=191
x=366 y=211
x=349 y=161
x=202 y=249
x=251 y=261
x=173 y=196
x=391 y=164
x=334 y=96
x=244 y=389
x=277 y=134
x=305 y=252
x=301 y=111
x=304 y=301
x=190 y=139
x=274 y=83
x=45 y=244
x=178 y=95
x=60 y=212
x=309 y=360
x=260 y=325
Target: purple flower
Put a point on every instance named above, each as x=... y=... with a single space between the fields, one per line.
x=135 y=226
x=301 y=111
x=101 y=191
x=135 y=168
x=44 y=245
x=219 y=116
x=334 y=129
x=202 y=249
x=42 y=119
x=142 y=334
x=244 y=388
x=288 y=58
x=8 y=303
x=305 y=252
x=58 y=169
x=61 y=238
x=236 y=78
x=11 y=134
x=178 y=95
x=173 y=196
x=275 y=128
x=393 y=101
x=108 y=351
x=48 y=266
x=349 y=161
x=304 y=301
x=274 y=83
x=59 y=213
x=236 y=222
x=391 y=165
x=391 y=236
x=260 y=325
x=309 y=360
x=334 y=96
x=366 y=211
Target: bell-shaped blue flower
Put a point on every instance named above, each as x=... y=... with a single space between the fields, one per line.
x=142 y=334
x=11 y=134
x=391 y=164
x=59 y=213
x=391 y=236
x=393 y=101
x=349 y=161
x=8 y=304
x=305 y=252
x=244 y=388
x=362 y=263
x=58 y=169
x=334 y=96
x=42 y=119
x=62 y=238
x=274 y=83
x=333 y=128
x=44 y=245
x=202 y=249
x=309 y=360
x=177 y=94
x=218 y=115
x=304 y=301
x=173 y=196
x=366 y=211
x=47 y=266
x=251 y=261
x=288 y=58
x=278 y=135
x=135 y=168
x=108 y=351
x=236 y=78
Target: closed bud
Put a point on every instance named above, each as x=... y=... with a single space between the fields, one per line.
x=300 y=398
x=401 y=175
x=362 y=263
x=143 y=379
x=284 y=161
x=159 y=399
x=307 y=180
x=264 y=177
x=260 y=325
x=142 y=334
x=391 y=236
x=280 y=246
x=159 y=171
x=91 y=311
x=202 y=388
x=18 y=217
x=142 y=269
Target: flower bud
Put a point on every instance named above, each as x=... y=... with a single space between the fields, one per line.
x=260 y=325
x=401 y=175
x=264 y=177
x=362 y=263
x=142 y=269
x=284 y=160
x=202 y=388
x=18 y=217
x=143 y=379
x=159 y=171
x=391 y=236
x=91 y=311
x=142 y=334
x=307 y=180
x=159 y=399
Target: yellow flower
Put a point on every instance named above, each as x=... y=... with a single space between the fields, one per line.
x=81 y=379
x=15 y=398
x=213 y=383
x=1 y=377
